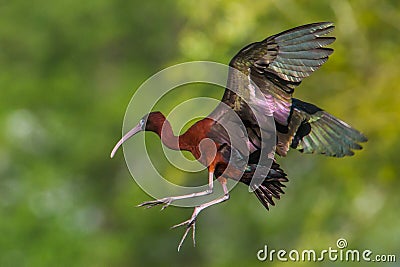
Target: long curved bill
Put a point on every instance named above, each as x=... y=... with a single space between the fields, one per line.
x=128 y=135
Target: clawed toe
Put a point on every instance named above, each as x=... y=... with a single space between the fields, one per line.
x=190 y=224
x=149 y=204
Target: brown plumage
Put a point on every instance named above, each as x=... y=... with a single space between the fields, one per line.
x=276 y=66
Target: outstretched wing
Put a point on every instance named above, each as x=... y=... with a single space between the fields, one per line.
x=276 y=66
x=313 y=130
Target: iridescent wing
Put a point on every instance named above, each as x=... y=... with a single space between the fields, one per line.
x=313 y=130
x=276 y=66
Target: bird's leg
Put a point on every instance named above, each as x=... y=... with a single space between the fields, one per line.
x=191 y=223
x=168 y=200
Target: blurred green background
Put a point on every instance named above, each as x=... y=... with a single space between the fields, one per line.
x=67 y=72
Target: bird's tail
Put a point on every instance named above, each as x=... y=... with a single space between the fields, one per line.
x=271 y=187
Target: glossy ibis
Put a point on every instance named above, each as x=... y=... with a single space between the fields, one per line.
x=276 y=65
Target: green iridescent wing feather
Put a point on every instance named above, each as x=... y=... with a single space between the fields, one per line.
x=319 y=132
x=277 y=65
x=296 y=53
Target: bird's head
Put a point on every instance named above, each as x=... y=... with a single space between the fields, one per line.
x=152 y=121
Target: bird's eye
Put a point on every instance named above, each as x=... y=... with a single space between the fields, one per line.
x=141 y=123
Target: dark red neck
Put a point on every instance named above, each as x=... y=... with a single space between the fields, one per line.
x=162 y=127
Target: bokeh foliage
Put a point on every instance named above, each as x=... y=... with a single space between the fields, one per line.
x=67 y=72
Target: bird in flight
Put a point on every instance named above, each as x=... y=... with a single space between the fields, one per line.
x=261 y=81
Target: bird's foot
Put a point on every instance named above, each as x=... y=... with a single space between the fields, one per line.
x=163 y=201
x=190 y=224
